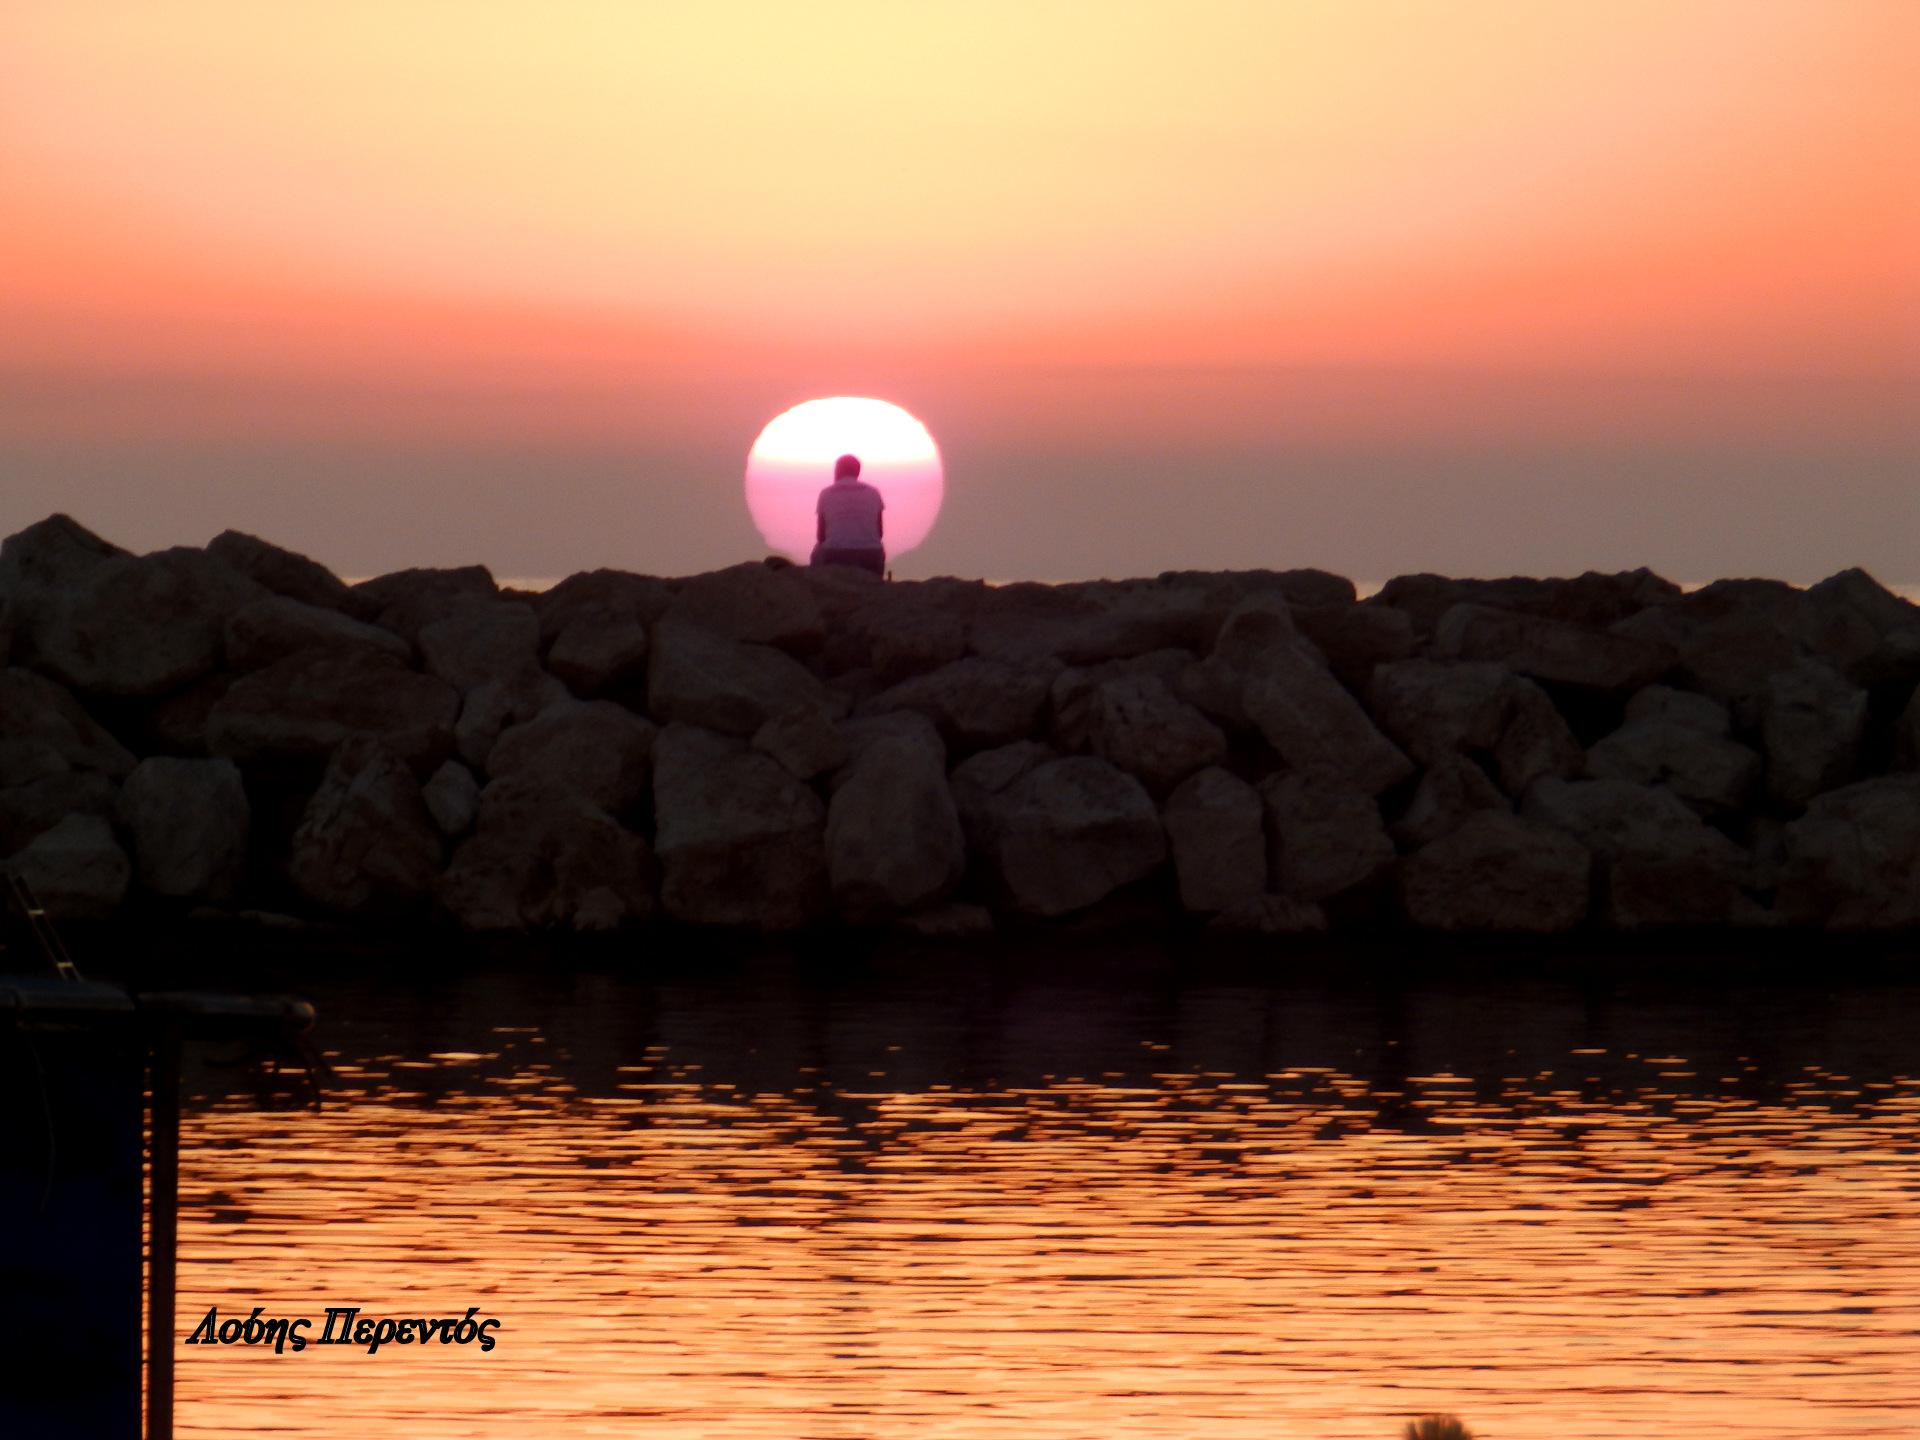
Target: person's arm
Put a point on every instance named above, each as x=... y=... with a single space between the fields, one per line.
x=820 y=528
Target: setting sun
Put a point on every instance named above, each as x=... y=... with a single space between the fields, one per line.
x=793 y=459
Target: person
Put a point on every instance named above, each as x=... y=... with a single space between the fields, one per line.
x=849 y=529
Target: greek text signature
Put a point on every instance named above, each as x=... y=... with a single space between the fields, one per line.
x=285 y=1335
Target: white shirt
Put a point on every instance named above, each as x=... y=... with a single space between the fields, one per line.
x=851 y=509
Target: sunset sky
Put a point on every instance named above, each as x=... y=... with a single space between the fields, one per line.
x=1375 y=285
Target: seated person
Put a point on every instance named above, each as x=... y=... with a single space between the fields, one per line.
x=849 y=528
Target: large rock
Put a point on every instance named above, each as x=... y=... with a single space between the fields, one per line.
x=1433 y=708
x=911 y=638
x=1070 y=832
x=300 y=708
x=1552 y=650
x=1679 y=740
x=641 y=598
x=1218 y=839
x=407 y=601
x=366 y=844
x=806 y=742
x=256 y=635
x=594 y=747
x=1811 y=722
x=1865 y=631
x=33 y=707
x=696 y=677
x=1853 y=860
x=176 y=724
x=494 y=706
x=1073 y=690
x=1453 y=790
x=1906 y=736
x=42 y=800
x=894 y=843
x=1537 y=741
x=1656 y=862
x=743 y=843
x=978 y=780
x=975 y=703
x=1593 y=600
x=57 y=554
x=1730 y=636
x=1325 y=834
x=544 y=856
x=1357 y=637
x=600 y=647
x=754 y=603
x=1139 y=727
x=1497 y=872
x=452 y=797
x=481 y=640
x=284 y=573
x=188 y=821
x=1092 y=623
x=76 y=869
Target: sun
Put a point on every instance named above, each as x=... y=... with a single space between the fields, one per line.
x=792 y=462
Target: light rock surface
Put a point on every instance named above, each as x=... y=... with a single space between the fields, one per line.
x=743 y=843
x=76 y=868
x=894 y=843
x=1452 y=790
x=697 y=677
x=1811 y=722
x=806 y=742
x=593 y=747
x=256 y=635
x=1537 y=741
x=975 y=703
x=281 y=572
x=1497 y=872
x=1070 y=832
x=33 y=707
x=754 y=603
x=188 y=822
x=1325 y=835
x=1853 y=860
x=481 y=640
x=1552 y=650
x=1433 y=708
x=1218 y=838
x=366 y=844
x=1139 y=727
x=600 y=647
x=452 y=797
x=301 y=708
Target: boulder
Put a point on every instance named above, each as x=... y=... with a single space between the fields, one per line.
x=452 y=797
x=1070 y=832
x=76 y=869
x=594 y=747
x=639 y=597
x=300 y=708
x=1219 y=842
x=1811 y=722
x=1537 y=741
x=975 y=703
x=1309 y=719
x=1093 y=623
x=1302 y=588
x=954 y=920
x=903 y=640
x=696 y=677
x=600 y=647
x=1853 y=860
x=1269 y=915
x=807 y=743
x=33 y=707
x=281 y=572
x=493 y=706
x=1355 y=638
x=365 y=843
x=1679 y=740
x=1593 y=600
x=1499 y=872
x=1552 y=650
x=187 y=821
x=894 y=843
x=407 y=601
x=256 y=635
x=544 y=856
x=1862 y=629
x=481 y=640
x=1664 y=705
x=1730 y=636
x=980 y=778
x=57 y=554
x=24 y=761
x=1325 y=834
x=1139 y=727
x=1073 y=690
x=1433 y=708
x=743 y=843
x=176 y=724
x=755 y=604
x=1906 y=736
x=1453 y=789
x=36 y=805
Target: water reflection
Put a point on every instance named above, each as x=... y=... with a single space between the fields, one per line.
x=1008 y=1201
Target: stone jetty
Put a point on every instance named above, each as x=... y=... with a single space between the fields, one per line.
x=234 y=730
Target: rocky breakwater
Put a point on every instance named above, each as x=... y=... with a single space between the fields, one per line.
x=233 y=729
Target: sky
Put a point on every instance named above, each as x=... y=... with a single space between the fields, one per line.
x=1375 y=285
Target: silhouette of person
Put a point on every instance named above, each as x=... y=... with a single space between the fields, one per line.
x=849 y=515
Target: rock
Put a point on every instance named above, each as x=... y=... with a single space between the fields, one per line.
x=1862 y=629
x=1269 y=915
x=407 y=601
x=1593 y=600
x=1537 y=741
x=955 y=920
x=977 y=704
x=1499 y=872
x=33 y=707
x=1452 y=790
x=1730 y=635
x=35 y=806
x=24 y=761
x=1310 y=720
x=1139 y=727
x=492 y=706
x=1325 y=834
x=1433 y=708
x=1906 y=736
x=256 y=635
x=76 y=869
x=366 y=844
x=1215 y=830
x=1656 y=862
x=976 y=782
x=699 y=678
x=806 y=743
x=754 y=604
x=1073 y=690
x=894 y=843
x=601 y=647
x=1853 y=860
x=903 y=640
x=1662 y=704
x=1811 y=722
x=1713 y=774
x=593 y=747
x=188 y=822
x=1070 y=832
x=1096 y=622
x=1551 y=650
x=452 y=797
x=1303 y=588
x=57 y=554
x=301 y=708
x=743 y=842
x=1355 y=638
x=1767 y=851
x=641 y=598
x=545 y=856
x=281 y=572
x=481 y=640
x=177 y=723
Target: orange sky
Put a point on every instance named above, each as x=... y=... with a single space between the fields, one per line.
x=1195 y=226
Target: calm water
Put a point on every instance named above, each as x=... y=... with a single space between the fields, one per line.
x=1080 y=1196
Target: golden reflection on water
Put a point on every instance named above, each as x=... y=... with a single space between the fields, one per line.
x=1150 y=1253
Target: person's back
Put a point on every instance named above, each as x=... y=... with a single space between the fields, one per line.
x=849 y=529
